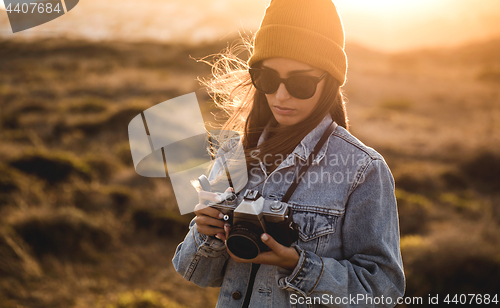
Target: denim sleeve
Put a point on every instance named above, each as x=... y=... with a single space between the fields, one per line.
x=372 y=266
x=201 y=258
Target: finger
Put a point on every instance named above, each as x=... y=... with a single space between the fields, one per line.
x=203 y=209
x=209 y=221
x=273 y=245
x=221 y=236
x=229 y=189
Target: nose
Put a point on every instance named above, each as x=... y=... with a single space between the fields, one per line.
x=282 y=94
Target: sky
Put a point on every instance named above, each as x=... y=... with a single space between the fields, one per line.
x=384 y=25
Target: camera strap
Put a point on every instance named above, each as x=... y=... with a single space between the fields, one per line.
x=251 y=281
x=309 y=161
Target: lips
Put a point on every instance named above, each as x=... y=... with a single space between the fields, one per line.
x=283 y=110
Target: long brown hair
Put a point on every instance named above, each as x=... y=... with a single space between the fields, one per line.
x=248 y=111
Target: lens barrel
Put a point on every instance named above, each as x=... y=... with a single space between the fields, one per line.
x=244 y=240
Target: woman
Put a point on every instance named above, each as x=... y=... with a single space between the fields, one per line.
x=347 y=253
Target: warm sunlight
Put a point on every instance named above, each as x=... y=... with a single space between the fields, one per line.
x=386 y=6
x=387 y=25
x=407 y=24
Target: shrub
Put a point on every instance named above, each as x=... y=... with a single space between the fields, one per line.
x=67 y=233
x=160 y=222
x=103 y=166
x=33 y=106
x=454 y=266
x=489 y=75
x=9 y=183
x=121 y=197
x=418 y=177
x=112 y=121
x=454 y=180
x=414 y=212
x=89 y=200
x=122 y=151
x=144 y=299
x=398 y=104
x=54 y=167
x=115 y=198
x=15 y=258
x=483 y=170
x=89 y=105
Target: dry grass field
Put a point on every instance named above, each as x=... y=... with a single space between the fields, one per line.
x=79 y=228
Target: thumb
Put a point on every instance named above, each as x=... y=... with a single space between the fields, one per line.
x=271 y=243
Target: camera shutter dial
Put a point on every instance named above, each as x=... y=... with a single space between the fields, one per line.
x=276 y=206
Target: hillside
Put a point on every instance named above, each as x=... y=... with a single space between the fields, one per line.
x=79 y=228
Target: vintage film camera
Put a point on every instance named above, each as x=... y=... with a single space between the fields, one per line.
x=251 y=215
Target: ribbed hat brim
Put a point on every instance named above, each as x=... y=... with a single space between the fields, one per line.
x=300 y=44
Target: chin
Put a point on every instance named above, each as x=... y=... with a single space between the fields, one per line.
x=283 y=121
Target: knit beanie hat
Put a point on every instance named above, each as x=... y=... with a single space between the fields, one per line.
x=309 y=31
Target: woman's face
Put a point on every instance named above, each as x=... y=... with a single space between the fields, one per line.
x=288 y=110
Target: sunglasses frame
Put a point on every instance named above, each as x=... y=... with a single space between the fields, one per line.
x=315 y=79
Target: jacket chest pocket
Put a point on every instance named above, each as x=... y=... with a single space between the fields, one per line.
x=316 y=226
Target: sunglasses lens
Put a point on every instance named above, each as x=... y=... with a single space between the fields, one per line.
x=265 y=81
x=302 y=87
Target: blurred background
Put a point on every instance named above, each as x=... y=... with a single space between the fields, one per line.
x=78 y=226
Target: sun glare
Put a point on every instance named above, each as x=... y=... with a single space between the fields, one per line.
x=385 y=5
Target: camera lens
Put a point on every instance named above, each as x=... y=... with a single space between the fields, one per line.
x=244 y=240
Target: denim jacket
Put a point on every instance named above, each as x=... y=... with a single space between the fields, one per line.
x=348 y=243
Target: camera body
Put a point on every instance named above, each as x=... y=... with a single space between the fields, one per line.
x=250 y=215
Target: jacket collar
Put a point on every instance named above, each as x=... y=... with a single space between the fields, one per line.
x=306 y=145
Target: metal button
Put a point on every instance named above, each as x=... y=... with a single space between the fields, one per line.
x=276 y=206
x=236 y=295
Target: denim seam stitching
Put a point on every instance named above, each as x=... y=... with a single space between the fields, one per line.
x=318 y=210
x=192 y=266
x=301 y=267
x=355 y=184
x=320 y=274
x=316 y=235
x=354 y=144
x=194 y=239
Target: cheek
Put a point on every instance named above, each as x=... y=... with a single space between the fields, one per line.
x=268 y=98
x=310 y=104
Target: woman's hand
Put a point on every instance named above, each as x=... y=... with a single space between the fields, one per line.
x=209 y=220
x=279 y=255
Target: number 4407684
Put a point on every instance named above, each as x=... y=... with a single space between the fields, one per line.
x=35 y=8
x=471 y=299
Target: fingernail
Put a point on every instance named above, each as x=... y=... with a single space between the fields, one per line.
x=217 y=236
x=218 y=198
x=221 y=215
x=264 y=237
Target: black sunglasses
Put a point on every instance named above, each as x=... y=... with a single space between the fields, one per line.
x=298 y=86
